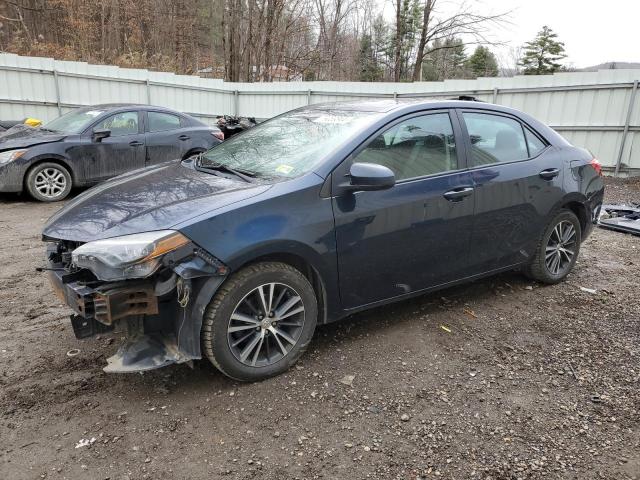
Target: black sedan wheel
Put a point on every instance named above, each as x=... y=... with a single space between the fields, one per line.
x=49 y=182
x=557 y=250
x=260 y=321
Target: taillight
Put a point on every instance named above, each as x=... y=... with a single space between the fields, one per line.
x=596 y=166
x=218 y=134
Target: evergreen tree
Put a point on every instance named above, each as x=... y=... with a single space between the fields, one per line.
x=482 y=63
x=446 y=59
x=370 y=71
x=541 y=55
x=404 y=37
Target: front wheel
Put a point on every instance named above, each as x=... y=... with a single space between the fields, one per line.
x=49 y=182
x=260 y=321
x=557 y=250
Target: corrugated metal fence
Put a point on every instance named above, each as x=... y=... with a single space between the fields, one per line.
x=592 y=109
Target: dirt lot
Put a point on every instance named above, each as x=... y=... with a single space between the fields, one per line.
x=523 y=381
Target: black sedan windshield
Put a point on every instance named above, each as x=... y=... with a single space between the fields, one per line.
x=289 y=145
x=73 y=122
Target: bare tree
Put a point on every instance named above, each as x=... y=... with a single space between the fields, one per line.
x=243 y=40
x=464 y=23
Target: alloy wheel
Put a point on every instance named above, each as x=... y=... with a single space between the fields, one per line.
x=50 y=182
x=266 y=324
x=560 y=248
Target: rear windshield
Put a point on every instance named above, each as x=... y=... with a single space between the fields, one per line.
x=289 y=145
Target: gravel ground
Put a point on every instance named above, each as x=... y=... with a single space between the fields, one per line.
x=498 y=379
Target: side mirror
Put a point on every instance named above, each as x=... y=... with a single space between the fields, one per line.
x=100 y=133
x=370 y=176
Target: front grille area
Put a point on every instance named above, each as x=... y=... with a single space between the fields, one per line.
x=59 y=252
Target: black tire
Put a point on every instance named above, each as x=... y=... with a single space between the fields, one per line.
x=539 y=269
x=217 y=341
x=49 y=182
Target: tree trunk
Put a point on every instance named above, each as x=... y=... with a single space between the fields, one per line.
x=417 y=69
x=398 y=42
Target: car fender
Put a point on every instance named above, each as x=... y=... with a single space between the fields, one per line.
x=38 y=155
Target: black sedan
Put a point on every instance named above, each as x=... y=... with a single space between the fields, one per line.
x=92 y=144
x=238 y=254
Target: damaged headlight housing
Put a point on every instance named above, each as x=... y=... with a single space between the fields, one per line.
x=10 y=156
x=129 y=256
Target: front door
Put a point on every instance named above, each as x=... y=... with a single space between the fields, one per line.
x=120 y=152
x=416 y=234
x=518 y=180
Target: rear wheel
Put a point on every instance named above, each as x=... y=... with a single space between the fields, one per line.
x=557 y=250
x=192 y=153
x=260 y=322
x=49 y=182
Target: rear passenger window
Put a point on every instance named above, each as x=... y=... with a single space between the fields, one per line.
x=162 y=121
x=495 y=138
x=535 y=144
x=416 y=147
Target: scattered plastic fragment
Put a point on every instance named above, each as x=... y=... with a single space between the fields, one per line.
x=85 y=442
x=446 y=329
x=588 y=290
x=73 y=352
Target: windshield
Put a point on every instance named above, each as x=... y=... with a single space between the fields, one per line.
x=289 y=145
x=73 y=122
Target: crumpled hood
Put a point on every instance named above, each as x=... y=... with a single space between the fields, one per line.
x=24 y=136
x=154 y=198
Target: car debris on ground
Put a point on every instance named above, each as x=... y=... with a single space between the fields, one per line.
x=621 y=217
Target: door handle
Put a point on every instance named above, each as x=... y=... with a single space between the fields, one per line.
x=184 y=137
x=549 y=173
x=458 y=194
x=136 y=143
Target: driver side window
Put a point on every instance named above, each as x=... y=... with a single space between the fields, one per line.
x=416 y=147
x=123 y=123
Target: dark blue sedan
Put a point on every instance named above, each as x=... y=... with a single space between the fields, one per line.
x=321 y=212
x=92 y=144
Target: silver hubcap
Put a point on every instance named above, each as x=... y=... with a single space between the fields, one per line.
x=50 y=182
x=266 y=324
x=560 y=248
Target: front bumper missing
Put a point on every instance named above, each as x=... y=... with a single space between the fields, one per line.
x=146 y=352
x=159 y=330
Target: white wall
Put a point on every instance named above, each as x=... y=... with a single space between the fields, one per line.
x=589 y=108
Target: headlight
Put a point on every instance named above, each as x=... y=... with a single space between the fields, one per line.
x=129 y=256
x=10 y=155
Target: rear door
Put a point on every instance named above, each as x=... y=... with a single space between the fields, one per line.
x=120 y=152
x=518 y=180
x=165 y=137
x=416 y=234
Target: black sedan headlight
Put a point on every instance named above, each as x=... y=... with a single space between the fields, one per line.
x=11 y=155
x=130 y=256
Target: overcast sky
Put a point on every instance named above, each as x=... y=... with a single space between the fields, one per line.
x=593 y=31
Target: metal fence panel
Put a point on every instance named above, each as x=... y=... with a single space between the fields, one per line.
x=589 y=108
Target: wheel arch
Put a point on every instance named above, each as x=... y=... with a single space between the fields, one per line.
x=575 y=202
x=193 y=151
x=580 y=211
x=50 y=159
x=304 y=266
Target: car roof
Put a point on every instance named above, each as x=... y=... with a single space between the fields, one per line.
x=114 y=107
x=391 y=104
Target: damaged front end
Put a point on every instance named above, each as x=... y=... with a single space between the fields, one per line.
x=153 y=287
